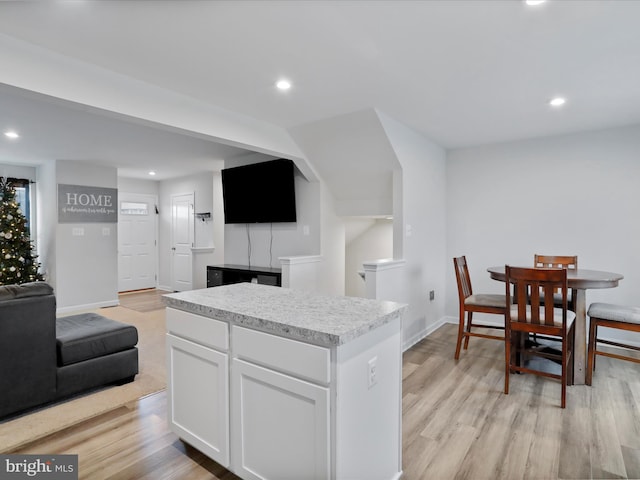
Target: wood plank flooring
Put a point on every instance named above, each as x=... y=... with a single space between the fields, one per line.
x=457 y=424
x=143 y=300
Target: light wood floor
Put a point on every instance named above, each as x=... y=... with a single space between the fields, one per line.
x=457 y=424
x=142 y=300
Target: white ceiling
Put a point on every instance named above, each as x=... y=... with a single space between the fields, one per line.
x=464 y=73
x=54 y=129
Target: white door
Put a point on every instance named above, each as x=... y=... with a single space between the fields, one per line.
x=137 y=245
x=182 y=233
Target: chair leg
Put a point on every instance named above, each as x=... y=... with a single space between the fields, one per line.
x=507 y=360
x=469 y=324
x=563 y=381
x=572 y=355
x=591 y=351
x=460 y=334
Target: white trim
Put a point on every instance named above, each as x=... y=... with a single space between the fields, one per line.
x=407 y=344
x=383 y=264
x=88 y=306
x=300 y=259
x=202 y=249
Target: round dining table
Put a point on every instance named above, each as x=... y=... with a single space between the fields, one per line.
x=580 y=280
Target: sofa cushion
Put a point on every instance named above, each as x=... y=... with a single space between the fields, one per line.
x=89 y=335
x=30 y=289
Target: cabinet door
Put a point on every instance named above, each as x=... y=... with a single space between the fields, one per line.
x=280 y=425
x=198 y=396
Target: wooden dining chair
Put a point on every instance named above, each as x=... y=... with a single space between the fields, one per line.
x=558 y=261
x=607 y=315
x=530 y=314
x=470 y=303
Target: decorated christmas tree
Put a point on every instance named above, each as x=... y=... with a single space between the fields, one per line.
x=17 y=261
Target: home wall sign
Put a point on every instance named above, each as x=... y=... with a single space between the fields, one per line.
x=82 y=204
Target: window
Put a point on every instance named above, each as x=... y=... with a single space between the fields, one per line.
x=134 y=208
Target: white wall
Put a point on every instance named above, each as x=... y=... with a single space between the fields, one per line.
x=375 y=243
x=46 y=206
x=332 y=233
x=202 y=185
x=87 y=265
x=567 y=195
x=355 y=165
x=352 y=155
x=17 y=171
x=218 y=222
x=138 y=185
x=268 y=241
x=419 y=227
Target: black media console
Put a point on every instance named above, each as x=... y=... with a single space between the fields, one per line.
x=226 y=274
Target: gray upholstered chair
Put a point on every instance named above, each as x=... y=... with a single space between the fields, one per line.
x=610 y=316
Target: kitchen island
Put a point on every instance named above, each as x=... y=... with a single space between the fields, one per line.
x=274 y=383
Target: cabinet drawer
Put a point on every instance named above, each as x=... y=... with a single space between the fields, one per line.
x=202 y=330
x=290 y=356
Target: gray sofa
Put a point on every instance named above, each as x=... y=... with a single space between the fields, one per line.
x=44 y=359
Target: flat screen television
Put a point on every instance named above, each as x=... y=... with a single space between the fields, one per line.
x=259 y=193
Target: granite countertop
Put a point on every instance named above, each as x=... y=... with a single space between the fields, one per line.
x=300 y=315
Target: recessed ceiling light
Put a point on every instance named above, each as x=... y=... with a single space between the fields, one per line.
x=533 y=3
x=152 y=173
x=558 y=101
x=11 y=134
x=283 y=84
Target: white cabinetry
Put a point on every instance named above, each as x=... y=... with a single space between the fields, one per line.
x=281 y=425
x=280 y=421
x=279 y=384
x=198 y=382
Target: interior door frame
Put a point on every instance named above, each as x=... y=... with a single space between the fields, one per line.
x=153 y=203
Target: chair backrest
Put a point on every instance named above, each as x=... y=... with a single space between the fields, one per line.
x=462 y=278
x=555 y=261
x=530 y=287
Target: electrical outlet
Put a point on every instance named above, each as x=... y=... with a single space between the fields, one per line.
x=432 y=295
x=372 y=372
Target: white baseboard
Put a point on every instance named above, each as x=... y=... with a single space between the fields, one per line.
x=87 y=307
x=407 y=344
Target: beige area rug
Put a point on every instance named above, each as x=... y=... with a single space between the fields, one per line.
x=152 y=378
